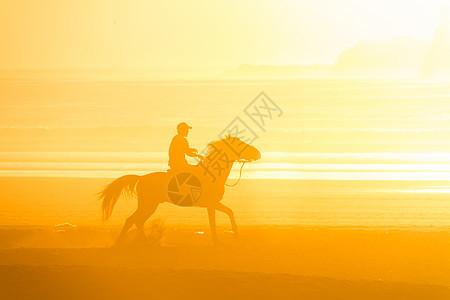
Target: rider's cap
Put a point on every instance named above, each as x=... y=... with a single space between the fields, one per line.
x=183 y=125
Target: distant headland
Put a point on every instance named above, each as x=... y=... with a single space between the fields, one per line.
x=398 y=57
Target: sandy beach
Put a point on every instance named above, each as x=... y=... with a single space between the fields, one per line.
x=58 y=247
x=267 y=263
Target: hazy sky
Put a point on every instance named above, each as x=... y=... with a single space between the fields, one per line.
x=199 y=34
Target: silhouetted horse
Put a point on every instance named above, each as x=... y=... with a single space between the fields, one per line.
x=152 y=189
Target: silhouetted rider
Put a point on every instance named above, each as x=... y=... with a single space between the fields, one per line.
x=179 y=148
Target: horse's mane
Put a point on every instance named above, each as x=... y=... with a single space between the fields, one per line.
x=218 y=144
x=226 y=145
x=213 y=145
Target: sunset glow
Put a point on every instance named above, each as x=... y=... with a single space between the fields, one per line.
x=170 y=34
x=225 y=150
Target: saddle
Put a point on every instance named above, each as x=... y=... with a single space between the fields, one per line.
x=184 y=188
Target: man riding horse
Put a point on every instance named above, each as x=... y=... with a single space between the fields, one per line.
x=179 y=148
x=153 y=189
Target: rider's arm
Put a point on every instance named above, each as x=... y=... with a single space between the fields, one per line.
x=192 y=152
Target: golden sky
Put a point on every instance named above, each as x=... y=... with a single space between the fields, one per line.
x=199 y=34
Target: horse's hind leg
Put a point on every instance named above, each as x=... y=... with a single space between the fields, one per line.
x=128 y=223
x=143 y=214
x=139 y=217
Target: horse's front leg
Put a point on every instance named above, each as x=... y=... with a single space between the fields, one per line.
x=212 y=224
x=229 y=212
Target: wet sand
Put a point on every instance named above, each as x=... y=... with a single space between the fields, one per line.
x=397 y=245
x=267 y=263
x=116 y=283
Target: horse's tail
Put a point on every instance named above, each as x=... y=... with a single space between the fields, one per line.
x=112 y=192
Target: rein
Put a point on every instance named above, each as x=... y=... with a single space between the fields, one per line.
x=240 y=174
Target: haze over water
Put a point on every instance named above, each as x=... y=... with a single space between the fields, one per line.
x=328 y=126
x=393 y=132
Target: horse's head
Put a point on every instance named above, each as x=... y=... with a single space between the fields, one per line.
x=236 y=149
x=243 y=150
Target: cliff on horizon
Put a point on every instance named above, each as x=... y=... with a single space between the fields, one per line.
x=399 y=57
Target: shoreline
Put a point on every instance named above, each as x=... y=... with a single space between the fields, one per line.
x=342 y=204
x=193 y=227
